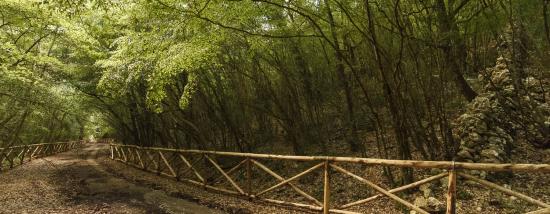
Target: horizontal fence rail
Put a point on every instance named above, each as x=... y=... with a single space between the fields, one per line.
x=182 y=165
x=13 y=156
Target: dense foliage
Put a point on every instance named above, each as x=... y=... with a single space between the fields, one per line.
x=375 y=78
x=40 y=50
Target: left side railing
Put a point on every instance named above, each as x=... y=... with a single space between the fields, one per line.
x=11 y=157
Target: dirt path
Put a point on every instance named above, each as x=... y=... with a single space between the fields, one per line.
x=73 y=182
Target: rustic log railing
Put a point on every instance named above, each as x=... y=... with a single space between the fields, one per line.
x=11 y=157
x=181 y=164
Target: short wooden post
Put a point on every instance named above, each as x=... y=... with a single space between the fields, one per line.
x=118 y=155
x=33 y=152
x=2 y=159
x=112 y=152
x=204 y=181
x=23 y=153
x=123 y=154
x=139 y=157
x=10 y=159
x=451 y=192
x=20 y=155
x=326 y=189
x=131 y=156
x=38 y=151
x=158 y=164
x=248 y=176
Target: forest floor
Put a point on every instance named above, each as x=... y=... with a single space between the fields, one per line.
x=74 y=182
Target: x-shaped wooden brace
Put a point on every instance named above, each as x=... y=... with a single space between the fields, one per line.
x=395 y=190
x=233 y=183
x=124 y=154
x=34 y=152
x=231 y=171
x=167 y=164
x=508 y=191
x=190 y=167
x=136 y=151
x=379 y=189
x=152 y=159
x=284 y=181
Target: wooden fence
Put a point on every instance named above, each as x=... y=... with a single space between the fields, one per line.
x=181 y=164
x=11 y=157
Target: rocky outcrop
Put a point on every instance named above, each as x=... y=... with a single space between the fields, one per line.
x=512 y=103
x=484 y=129
x=503 y=110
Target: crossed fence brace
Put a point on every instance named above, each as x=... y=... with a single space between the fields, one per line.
x=13 y=156
x=155 y=160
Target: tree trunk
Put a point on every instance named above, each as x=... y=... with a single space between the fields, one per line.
x=454 y=48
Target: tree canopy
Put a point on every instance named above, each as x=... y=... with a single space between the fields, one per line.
x=385 y=79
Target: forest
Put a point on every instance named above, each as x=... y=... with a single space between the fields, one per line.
x=400 y=79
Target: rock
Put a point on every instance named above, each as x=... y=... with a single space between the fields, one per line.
x=487 y=126
x=496 y=147
x=426 y=190
x=489 y=153
x=475 y=137
x=464 y=154
x=490 y=160
x=478 y=209
x=495 y=140
x=434 y=203
x=420 y=202
x=430 y=204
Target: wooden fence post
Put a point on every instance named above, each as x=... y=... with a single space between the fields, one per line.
x=33 y=152
x=32 y=149
x=112 y=152
x=10 y=159
x=2 y=159
x=123 y=154
x=248 y=177
x=158 y=165
x=326 y=189
x=204 y=181
x=451 y=192
x=118 y=156
x=37 y=152
x=23 y=153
